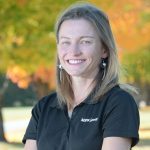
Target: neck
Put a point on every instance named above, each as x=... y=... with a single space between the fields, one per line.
x=81 y=87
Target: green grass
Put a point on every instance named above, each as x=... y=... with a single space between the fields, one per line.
x=14 y=136
x=11 y=146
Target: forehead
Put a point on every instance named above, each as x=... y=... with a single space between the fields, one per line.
x=77 y=27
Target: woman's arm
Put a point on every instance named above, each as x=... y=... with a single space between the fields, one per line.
x=116 y=143
x=30 y=145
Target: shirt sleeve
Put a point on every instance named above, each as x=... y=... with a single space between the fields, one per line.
x=31 y=131
x=121 y=117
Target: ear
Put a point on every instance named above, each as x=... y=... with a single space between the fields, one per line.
x=104 y=53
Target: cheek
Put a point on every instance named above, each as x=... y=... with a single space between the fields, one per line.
x=97 y=52
x=95 y=56
x=61 y=54
x=61 y=50
x=94 y=53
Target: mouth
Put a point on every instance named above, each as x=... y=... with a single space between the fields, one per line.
x=75 y=61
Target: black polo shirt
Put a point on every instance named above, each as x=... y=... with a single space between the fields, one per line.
x=116 y=114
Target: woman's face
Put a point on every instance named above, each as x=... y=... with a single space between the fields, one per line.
x=79 y=48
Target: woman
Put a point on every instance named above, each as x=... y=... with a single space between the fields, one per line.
x=89 y=111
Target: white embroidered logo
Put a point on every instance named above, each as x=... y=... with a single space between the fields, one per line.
x=89 y=120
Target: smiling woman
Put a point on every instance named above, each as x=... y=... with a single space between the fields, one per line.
x=89 y=109
x=79 y=50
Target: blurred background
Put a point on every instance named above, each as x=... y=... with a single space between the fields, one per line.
x=27 y=58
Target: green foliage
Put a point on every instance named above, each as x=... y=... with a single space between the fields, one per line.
x=145 y=17
x=27 y=32
x=137 y=65
x=128 y=7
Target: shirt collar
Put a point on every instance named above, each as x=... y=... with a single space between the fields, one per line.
x=88 y=100
x=54 y=102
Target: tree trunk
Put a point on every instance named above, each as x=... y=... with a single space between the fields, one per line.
x=2 y=91
x=2 y=135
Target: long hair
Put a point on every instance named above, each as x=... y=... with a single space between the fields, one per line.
x=101 y=23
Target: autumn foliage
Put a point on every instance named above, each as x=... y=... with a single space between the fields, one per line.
x=28 y=44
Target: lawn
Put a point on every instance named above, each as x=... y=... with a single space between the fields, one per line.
x=16 y=120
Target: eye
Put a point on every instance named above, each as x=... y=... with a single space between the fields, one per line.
x=65 y=42
x=86 y=42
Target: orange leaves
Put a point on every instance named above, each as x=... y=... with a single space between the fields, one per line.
x=21 y=77
x=45 y=75
x=128 y=25
x=18 y=76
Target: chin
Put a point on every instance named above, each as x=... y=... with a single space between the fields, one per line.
x=75 y=74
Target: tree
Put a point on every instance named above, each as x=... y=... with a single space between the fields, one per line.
x=136 y=64
x=28 y=44
x=2 y=91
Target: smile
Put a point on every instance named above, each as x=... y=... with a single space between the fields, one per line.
x=75 y=61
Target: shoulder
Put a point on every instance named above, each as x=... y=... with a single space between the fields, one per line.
x=119 y=97
x=121 y=115
x=47 y=101
x=117 y=93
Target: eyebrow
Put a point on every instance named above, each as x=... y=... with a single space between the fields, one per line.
x=63 y=37
x=86 y=36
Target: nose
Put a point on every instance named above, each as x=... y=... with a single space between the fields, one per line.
x=75 y=49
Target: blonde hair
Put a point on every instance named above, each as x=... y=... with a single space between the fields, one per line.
x=101 y=22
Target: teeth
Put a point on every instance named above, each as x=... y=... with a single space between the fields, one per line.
x=75 y=61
